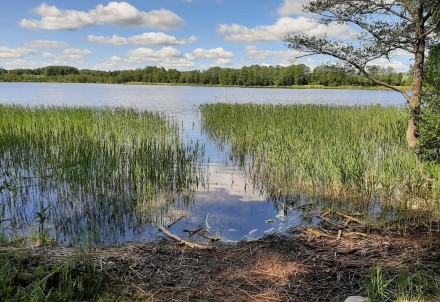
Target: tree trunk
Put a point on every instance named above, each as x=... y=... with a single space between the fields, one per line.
x=417 y=88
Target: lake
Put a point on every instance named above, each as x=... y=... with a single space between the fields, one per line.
x=227 y=204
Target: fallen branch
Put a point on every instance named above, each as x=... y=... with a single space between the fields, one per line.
x=349 y=218
x=193 y=232
x=337 y=225
x=207 y=236
x=203 y=233
x=175 y=221
x=301 y=207
x=318 y=234
x=184 y=242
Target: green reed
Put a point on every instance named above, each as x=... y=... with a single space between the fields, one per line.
x=85 y=162
x=327 y=151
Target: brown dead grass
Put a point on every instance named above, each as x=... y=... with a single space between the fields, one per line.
x=299 y=267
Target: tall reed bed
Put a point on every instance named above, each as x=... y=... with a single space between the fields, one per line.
x=328 y=151
x=82 y=170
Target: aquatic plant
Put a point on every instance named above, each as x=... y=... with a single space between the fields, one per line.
x=329 y=151
x=94 y=167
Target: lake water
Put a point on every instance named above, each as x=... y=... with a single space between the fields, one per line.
x=224 y=205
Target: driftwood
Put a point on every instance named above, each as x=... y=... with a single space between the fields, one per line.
x=203 y=233
x=317 y=233
x=348 y=218
x=184 y=242
x=193 y=232
x=175 y=221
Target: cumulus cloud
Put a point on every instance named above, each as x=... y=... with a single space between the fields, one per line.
x=213 y=53
x=402 y=53
x=119 y=63
x=396 y=65
x=283 y=27
x=291 y=7
x=148 y=54
x=222 y=62
x=9 y=53
x=118 y=13
x=282 y=57
x=151 y=38
x=180 y=64
x=68 y=54
x=21 y=63
x=167 y=57
x=45 y=44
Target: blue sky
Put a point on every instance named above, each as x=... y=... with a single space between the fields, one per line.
x=181 y=34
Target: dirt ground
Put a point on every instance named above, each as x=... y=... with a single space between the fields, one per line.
x=308 y=265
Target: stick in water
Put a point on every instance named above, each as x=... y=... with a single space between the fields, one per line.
x=184 y=242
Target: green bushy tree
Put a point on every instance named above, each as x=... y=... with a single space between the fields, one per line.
x=430 y=117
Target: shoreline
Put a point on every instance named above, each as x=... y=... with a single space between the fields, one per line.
x=294 y=87
x=306 y=265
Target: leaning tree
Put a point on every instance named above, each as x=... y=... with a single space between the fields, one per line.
x=383 y=28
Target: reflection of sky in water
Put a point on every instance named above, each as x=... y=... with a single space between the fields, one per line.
x=223 y=205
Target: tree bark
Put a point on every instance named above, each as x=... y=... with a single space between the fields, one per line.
x=417 y=87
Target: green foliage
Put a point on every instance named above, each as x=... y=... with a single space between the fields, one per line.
x=59 y=70
x=402 y=286
x=429 y=126
x=93 y=167
x=323 y=150
x=28 y=278
x=378 y=287
x=255 y=75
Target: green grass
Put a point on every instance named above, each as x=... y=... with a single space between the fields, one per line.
x=403 y=285
x=31 y=278
x=327 y=151
x=73 y=169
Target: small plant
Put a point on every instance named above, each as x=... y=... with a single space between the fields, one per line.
x=403 y=286
x=378 y=288
x=42 y=237
x=25 y=277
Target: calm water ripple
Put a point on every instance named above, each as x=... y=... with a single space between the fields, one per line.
x=227 y=204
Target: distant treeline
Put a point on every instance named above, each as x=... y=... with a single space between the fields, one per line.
x=255 y=75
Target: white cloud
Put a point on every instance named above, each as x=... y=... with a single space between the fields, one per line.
x=222 y=62
x=69 y=54
x=20 y=63
x=402 y=53
x=8 y=53
x=283 y=27
x=148 y=54
x=283 y=57
x=214 y=53
x=167 y=57
x=118 y=63
x=118 y=13
x=291 y=7
x=45 y=44
x=397 y=65
x=179 y=64
x=151 y=38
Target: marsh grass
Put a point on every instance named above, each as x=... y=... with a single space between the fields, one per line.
x=336 y=152
x=90 y=168
x=403 y=285
x=28 y=278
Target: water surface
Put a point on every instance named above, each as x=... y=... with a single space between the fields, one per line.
x=227 y=205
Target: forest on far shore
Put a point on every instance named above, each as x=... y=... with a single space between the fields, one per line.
x=255 y=75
